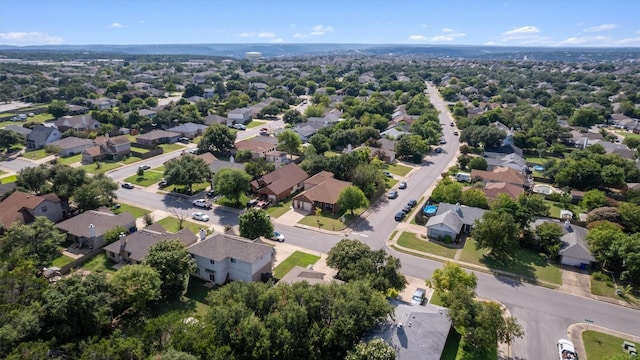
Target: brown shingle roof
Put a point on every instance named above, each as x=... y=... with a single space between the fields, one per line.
x=254 y=145
x=493 y=189
x=500 y=174
x=326 y=192
x=283 y=178
x=221 y=246
x=12 y=207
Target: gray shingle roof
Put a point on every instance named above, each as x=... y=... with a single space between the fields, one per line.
x=467 y=214
x=222 y=246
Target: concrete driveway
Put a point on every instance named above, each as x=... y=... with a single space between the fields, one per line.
x=576 y=282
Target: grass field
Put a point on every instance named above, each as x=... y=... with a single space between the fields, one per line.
x=136 y=212
x=61 y=261
x=277 y=210
x=398 y=169
x=255 y=123
x=170 y=224
x=171 y=147
x=131 y=159
x=193 y=303
x=329 y=221
x=100 y=169
x=298 y=258
x=8 y=179
x=70 y=159
x=100 y=263
x=525 y=263
x=36 y=154
x=411 y=241
x=150 y=177
x=600 y=346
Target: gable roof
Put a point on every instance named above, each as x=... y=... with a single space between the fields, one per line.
x=41 y=133
x=448 y=219
x=139 y=242
x=215 y=119
x=466 y=214
x=71 y=142
x=157 y=134
x=281 y=179
x=256 y=144
x=573 y=239
x=101 y=219
x=13 y=206
x=492 y=189
x=76 y=122
x=222 y=246
x=505 y=174
x=18 y=129
x=188 y=127
x=327 y=191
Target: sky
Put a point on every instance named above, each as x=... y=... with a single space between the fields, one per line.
x=556 y=23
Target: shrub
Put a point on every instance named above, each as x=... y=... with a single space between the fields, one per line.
x=600 y=276
x=148 y=219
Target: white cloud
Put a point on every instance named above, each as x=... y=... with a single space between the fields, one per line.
x=299 y=36
x=277 y=41
x=423 y=25
x=490 y=43
x=117 y=25
x=602 y=27
x=522 y=30
x=447 y=30
x=247 y=34
x=29 y=38
x=417 y=38
x=266 y=35
x=629 y=42
x=320 y=30
x=447 y=37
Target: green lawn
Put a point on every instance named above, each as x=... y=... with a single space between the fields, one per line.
x=389 y=183
x=171 y=147
x=411 y=241
x=100 y=263
x=436 y=299
x=329 y=221
x=599 y=345
x=298 y=258
x=42 y=117
x=101 y=169
x=398 y=169
x=150 y=177
x=195 y=188
x=608 y=289
x=70 y=159
x=535 y=160
x=255 y=123
x=277 y=210
x=526 y=263
x=330 y=153
x=170 y=224
x=193 y=303
x=8 y=179
x=131 y=159
x=555 y=207
x=36 y=154
x=136 y=212
x=61 y=260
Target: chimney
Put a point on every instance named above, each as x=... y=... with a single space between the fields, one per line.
x=203 y=235
x=458 y=209
x=123 y=241
x=92 y=231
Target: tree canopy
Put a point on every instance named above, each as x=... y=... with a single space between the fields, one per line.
x=351 y=198
x=232 y=183
x=186 y=171
x=218 y=138
x=173 y=264
x=255 y=223
x=498 y=232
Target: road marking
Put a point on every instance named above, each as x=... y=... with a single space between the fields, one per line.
x=363 y=235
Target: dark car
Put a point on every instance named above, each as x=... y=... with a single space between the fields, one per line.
x=412 y=203
x=388 y=174
x=392 y=194
x=163 y=183
x=438 y=150
x=211 y=193
x=402 y=185
x=400 y=216
x=406 y=209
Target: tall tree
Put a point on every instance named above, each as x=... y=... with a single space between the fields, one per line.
x=510 y=332
x=232 y=183
x=9 y=138
x=255 y=223
x=447 y=191
x=65 y=179
x=549 y=235
x=375 y=349
x=186 y=170
x=174 y=265
x=135 y=286
x=289 y=141
x=451 y=276
x=39 y=241
x=475 y=198
x=218 y=138
x=498 y=232
x=351 y=198
x=33 y=178
x=58 y=108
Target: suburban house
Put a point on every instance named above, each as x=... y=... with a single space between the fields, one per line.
x=216 y=119
x=452 y=220
x=87 y=229
x=280 y=183
x=277 y=157
x=500 y=174
x=208 y=93
x=150 y=114
x=189 y=129
x=22 y=208
x=71 y=145
x=20 y=130
x=258 y=146
x=320 y=191
x=493 y=189
x=77 y=123
x=156 y=137
x=222 y=257
x=102 y=103
x=107 y=148
x=41 y=136
x=240 y=115
x=414 y=332
x=77 y=109
x=496 y=160
x=574 y=250
x=133 y=248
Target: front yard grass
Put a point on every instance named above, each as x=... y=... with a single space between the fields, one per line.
x=100 y=263
x=255 y=123
x=555 y=207
x=131 y=159
x=277 y=210
x=136 y=212
x=411 y=241
x=330 y=221
x=150 y=177
x=9 y=179
x=398 y=169
x=599 y=345
x=170 y=223
x=36 y=154
x=70 y=159
x=100 y=169
x=608 y=289
x=526 y=263
x=171 y=147
x=195 y=188
x=298 y=258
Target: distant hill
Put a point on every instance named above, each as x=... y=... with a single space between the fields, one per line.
x=293 y=50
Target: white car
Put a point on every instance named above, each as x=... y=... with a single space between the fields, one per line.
x=144 y=167
x=201 y=203
x=239 y=127
x=200 y=216
x=566 y=350
x=277 y=237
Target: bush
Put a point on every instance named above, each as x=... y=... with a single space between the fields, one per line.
x=445 y=239
x=148 y=219
x=600 y=276
x=392 y=293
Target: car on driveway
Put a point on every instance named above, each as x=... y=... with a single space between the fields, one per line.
x=418 y=296
x=200 y=216
x=144 y=167
x=455 y=133
x=202 y=203
x=402 y=185
x=566 y=350
x=277 y=237
x=400 y=216
x=392 y=194
x=163 y=183
x=211 y=193
x=388 y=174
x=127 y=185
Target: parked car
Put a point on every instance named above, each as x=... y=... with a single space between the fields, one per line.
x=264 y=131
x=202 y=203
x=163 y=183
x=455 y=133
x=211 y=193
x=566 y=350
x=630 y=348
x=193 y=151
x=438 y=150
x=412 y=203
x=277 y=237
x=418 y=296
x=184 y=140
x=406 y=209
x=452 y=124
x=200 y=216
x=144 y=167
x=127 y=185
x=392 y=194
x=402 y=185
x=400 y=216
x=443 y=141
x=239 y=127
x=251 y=203
x=388 y=174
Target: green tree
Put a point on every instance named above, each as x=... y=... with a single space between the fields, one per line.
x=292 y=117
x=117 y=346
x=66 y=179
x=445 y=280
x=613 y=176
x=375 y=349
x=135 y=286
x=593 y=199
x=351 y=198
x=9 y=138
x=629 y=217
x=411 y=146
x=232 y=183
x=447 y=191
x=369 y=179
x=585 y=117
x=39 y=241
x=172 y=354
x=218 y=138
x=498 y=232
x=174 y=265
x=255 y=223
x=549 y=235
x=478 y=163
x=259 y=167
x=186 y=170
x=356 y=261
x=289 y=141
x=475 y=198
x=33 y=178
x=321 y=143
x=604 y=241
x=58 y=108
x=510 y=331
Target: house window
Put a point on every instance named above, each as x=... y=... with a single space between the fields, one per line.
x=233 y=260
x=211 y=261
x=44 y=209
x=212 y=277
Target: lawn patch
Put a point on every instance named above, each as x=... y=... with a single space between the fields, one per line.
x=277 y=210
x=411 y=241
x=255 y=123
x=100 y=169
x=330 y=221
x=526 y=263
x=397 y=169
x=171 y=147
x=70 y=159
x=193 y=303
x=298 y=258
x=150 y=177
x=170 y=223
x=225 y=201
x=61 y=261
x=136 y=212
x=9 y=179
x=599 y=345
x=100 y=263
x=131 y=159
x=36 y=154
